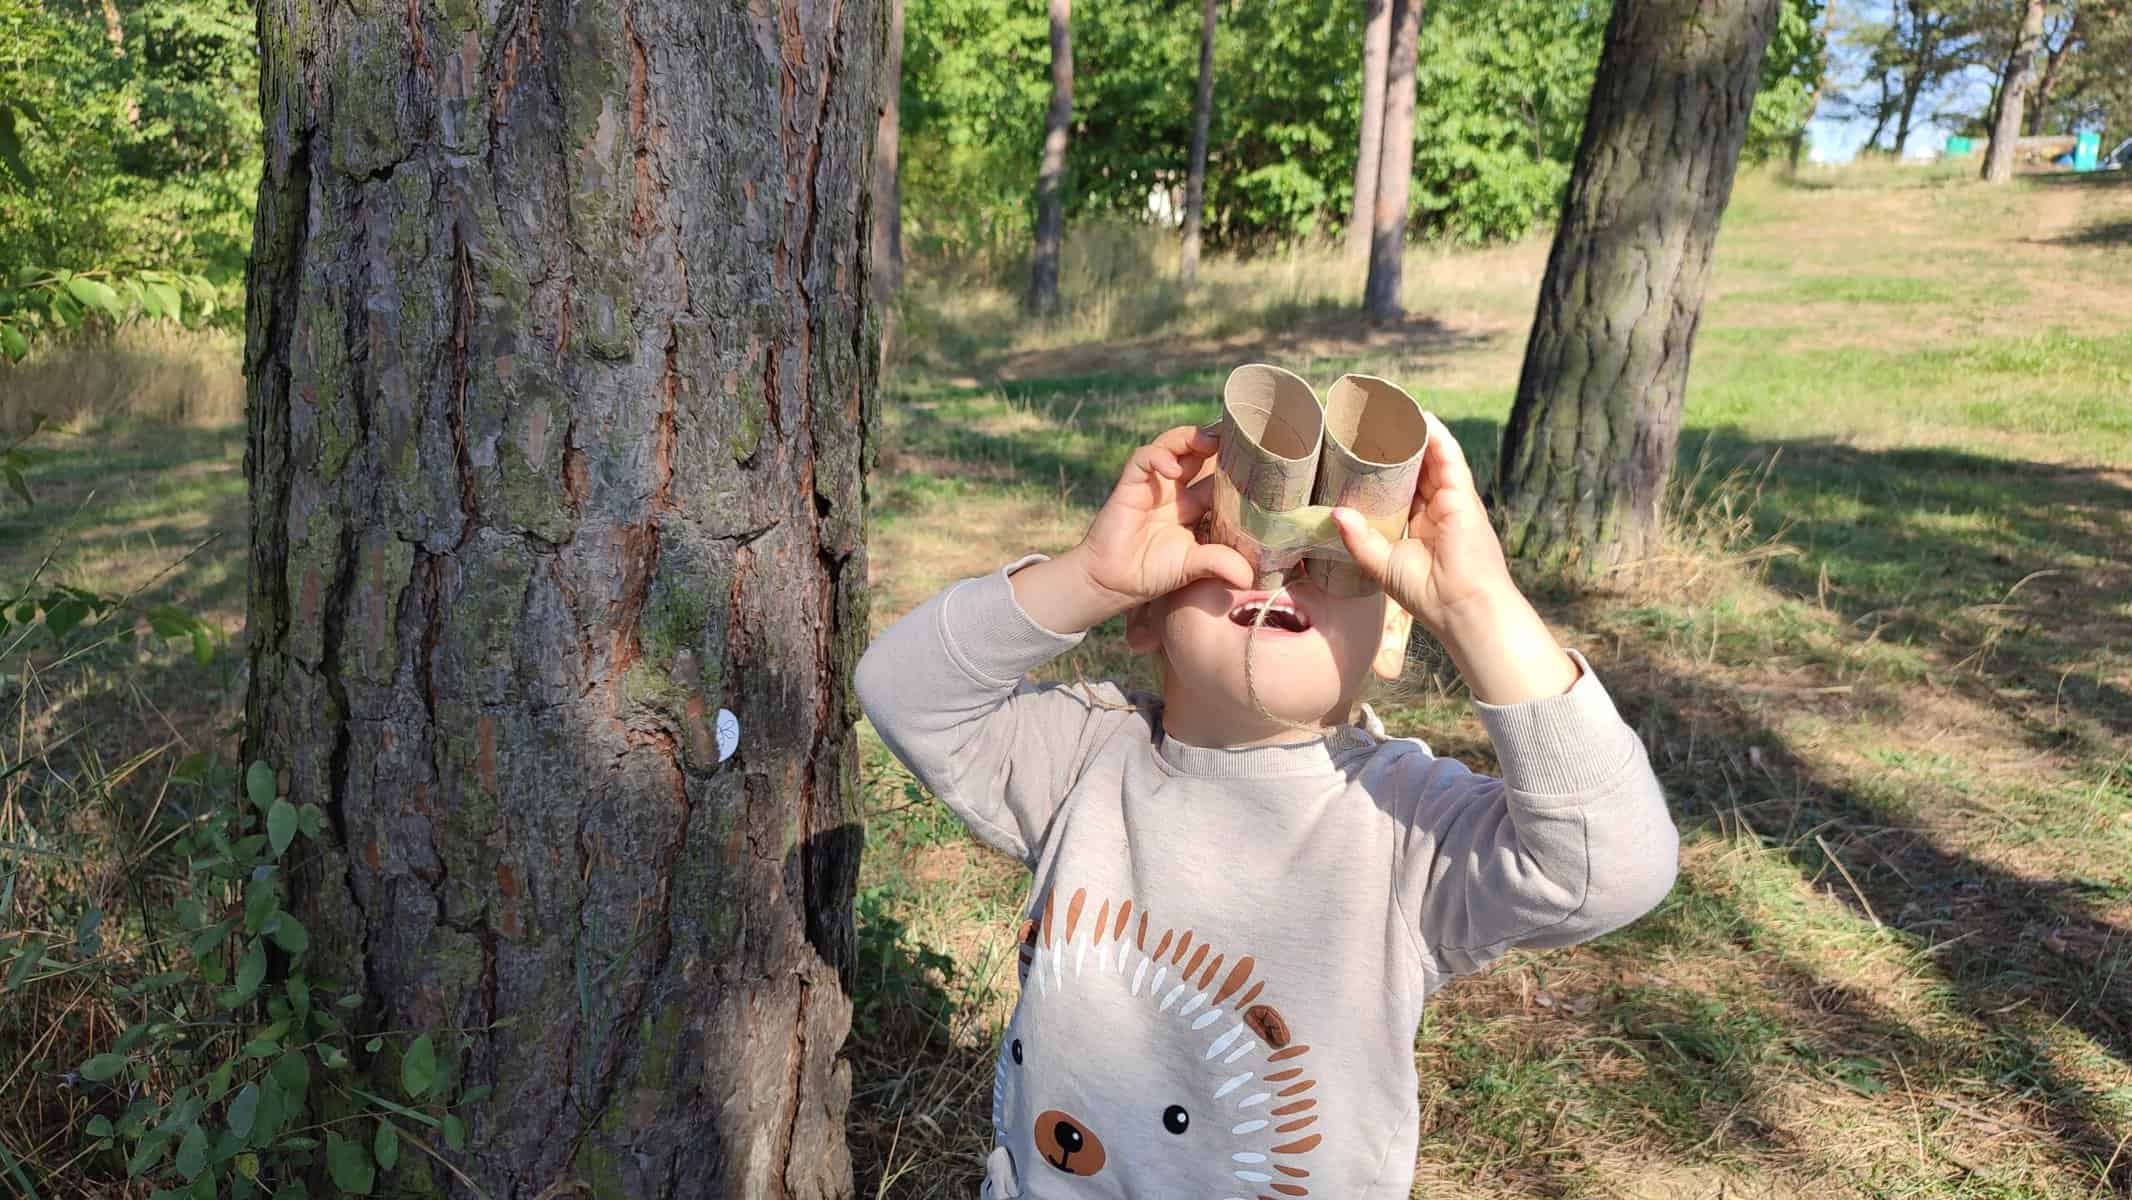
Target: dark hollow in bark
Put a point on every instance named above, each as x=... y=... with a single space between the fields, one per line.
x=1376 y=54
x=1195 y=188
x=1395 y=163
x=1598 y=409
x=561 y=374
x=1051 y=174
x=2013 y=93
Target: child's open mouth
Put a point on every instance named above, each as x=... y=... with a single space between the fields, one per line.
x=1281 y=615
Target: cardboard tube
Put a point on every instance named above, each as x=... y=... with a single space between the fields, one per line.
x=1371 y=462
x=1271 y=432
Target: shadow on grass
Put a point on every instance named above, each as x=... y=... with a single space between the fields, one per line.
x=2100 y=233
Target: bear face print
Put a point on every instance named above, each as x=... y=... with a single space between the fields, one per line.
x=1143 y=1061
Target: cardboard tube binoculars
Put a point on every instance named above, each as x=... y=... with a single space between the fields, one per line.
x=1287 y=460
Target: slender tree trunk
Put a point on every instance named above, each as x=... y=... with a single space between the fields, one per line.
x=1195 y=187
x=2046 y=86
x=1376 y=60
x=1592 y=432
x=1051 y=176
x=888 y=180
x=2013 y=93
x=1395 y=164
x=560 y=381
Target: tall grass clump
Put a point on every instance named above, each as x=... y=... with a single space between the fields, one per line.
x=150 y=371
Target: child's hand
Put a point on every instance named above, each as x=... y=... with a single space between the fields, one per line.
x=1449 y=563
x=1141 y=544
x=1449 y=572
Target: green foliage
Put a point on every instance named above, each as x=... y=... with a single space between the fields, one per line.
x=39 y=301
x=1500 y=100
x=1792 y=71
x=141 y=156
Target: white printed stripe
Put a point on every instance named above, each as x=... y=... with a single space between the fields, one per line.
x=1235 y=1082
x=1204 y=1019
x=1254 y=1099
x=1171 y=998
x=1248 y=1046
x=1080 y=957
x=1248 y=1156
x=1248 y=1127
x=1196 y=1001
x=1226 y=1040
x=1253 y=1176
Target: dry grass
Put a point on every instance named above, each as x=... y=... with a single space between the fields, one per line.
x=151 y=373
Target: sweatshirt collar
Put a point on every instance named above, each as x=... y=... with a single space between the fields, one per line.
x=1318 y=755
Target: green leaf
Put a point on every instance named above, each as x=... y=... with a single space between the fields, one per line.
x=92 y=294
x=292 y=1190
x=244 y=1110
x=166 y=298
x=203 y=647
x=349 y=1164
x=308 y=819
x=148 y=1153
x=454 y=1132
x=16 y=174
x=292 y=1071
x=13 y=344
x=418 y=1068
x=61 y=618
x=251 y=971
x=289 y=934
x=192 y=1153
x=273 y=1110
x=25 y=962
x=281 y=825
x=218 y=1083
x=387 y=1145
x=259 y=784
x=103 y=1068
x=262 y=1047
x=374 y=1045
x=210 y=939
x=260 y=901
x=99 y=1126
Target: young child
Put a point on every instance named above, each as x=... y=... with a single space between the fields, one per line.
x=1234 y=922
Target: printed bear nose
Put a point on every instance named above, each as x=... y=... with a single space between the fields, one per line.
x=1067 y=1144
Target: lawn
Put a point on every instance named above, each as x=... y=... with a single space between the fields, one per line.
x=1884 y=668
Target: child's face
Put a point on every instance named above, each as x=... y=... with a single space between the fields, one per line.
x=1310 y=659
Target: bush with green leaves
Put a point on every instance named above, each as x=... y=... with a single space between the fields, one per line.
x=40 y=301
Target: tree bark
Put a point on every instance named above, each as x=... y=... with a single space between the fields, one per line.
x=1051 y=175
x=560 y=380
x=1376 y=59
x=1195 y=187
x=2013 y=93
x=1395 y=164
x=1592 y=432
x=888 y=180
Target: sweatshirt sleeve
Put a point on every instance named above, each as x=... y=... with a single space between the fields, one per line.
x=1573 y=841
x=945 y=688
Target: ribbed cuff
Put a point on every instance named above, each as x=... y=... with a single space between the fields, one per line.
x=989 y=634
x=1560 y=745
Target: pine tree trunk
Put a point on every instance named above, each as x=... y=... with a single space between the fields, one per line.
x=1395 y=163
x=2013 y=92
x=1376 y=60
x=1051 y=175
x=561 y=375
x=1592 y=432
x=888 y=180
x=1195 y=187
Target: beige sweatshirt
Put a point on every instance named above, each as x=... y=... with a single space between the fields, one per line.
x=1226 y=952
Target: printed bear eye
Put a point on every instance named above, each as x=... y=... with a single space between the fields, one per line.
x=1175 y=1118
x=1017 y=1050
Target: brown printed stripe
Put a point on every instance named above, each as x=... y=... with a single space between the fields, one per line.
x=1303 y=1105
x=1291 y=1172
x=1291 y=1189
x=1125 y=910
x=1298 y=1123
x=1296 y=1088
x=1048 y=897
x=1237 y=975
x=1073 y=910
x=1162 y=945
x=1198 y=956
x=1097 y=930
x=1299 y=1146
x=1207 y=976
x=1140 y=938
x=1184 y=943
x=1288 y=1053
x=1244 y=1001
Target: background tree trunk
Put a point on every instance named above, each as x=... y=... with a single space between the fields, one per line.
x=1395 y=163
x=1051 y=176
x=888 y=180
x=560 y=381
x=1592 y=432
x=1376 y=57
x=1195 y=186
x=2013 y=92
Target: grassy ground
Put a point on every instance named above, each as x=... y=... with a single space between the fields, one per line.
x=1887 y=678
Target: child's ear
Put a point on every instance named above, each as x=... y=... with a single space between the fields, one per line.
x=1391 y=657
x=1143 y=628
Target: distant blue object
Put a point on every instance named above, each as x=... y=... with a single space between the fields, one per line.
x=2086 y=151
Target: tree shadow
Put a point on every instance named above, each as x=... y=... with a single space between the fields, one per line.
x=2099 y=233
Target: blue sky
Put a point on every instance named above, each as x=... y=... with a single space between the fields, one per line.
x=1837 y=139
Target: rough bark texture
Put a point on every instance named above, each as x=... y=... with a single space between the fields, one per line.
x=1376 y=55
x=561 y=372
x=1395 y=164
x=2013 y=93
x=1598 y=408
x=1051 y=175
x=1195 y=186
x=888 y=180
